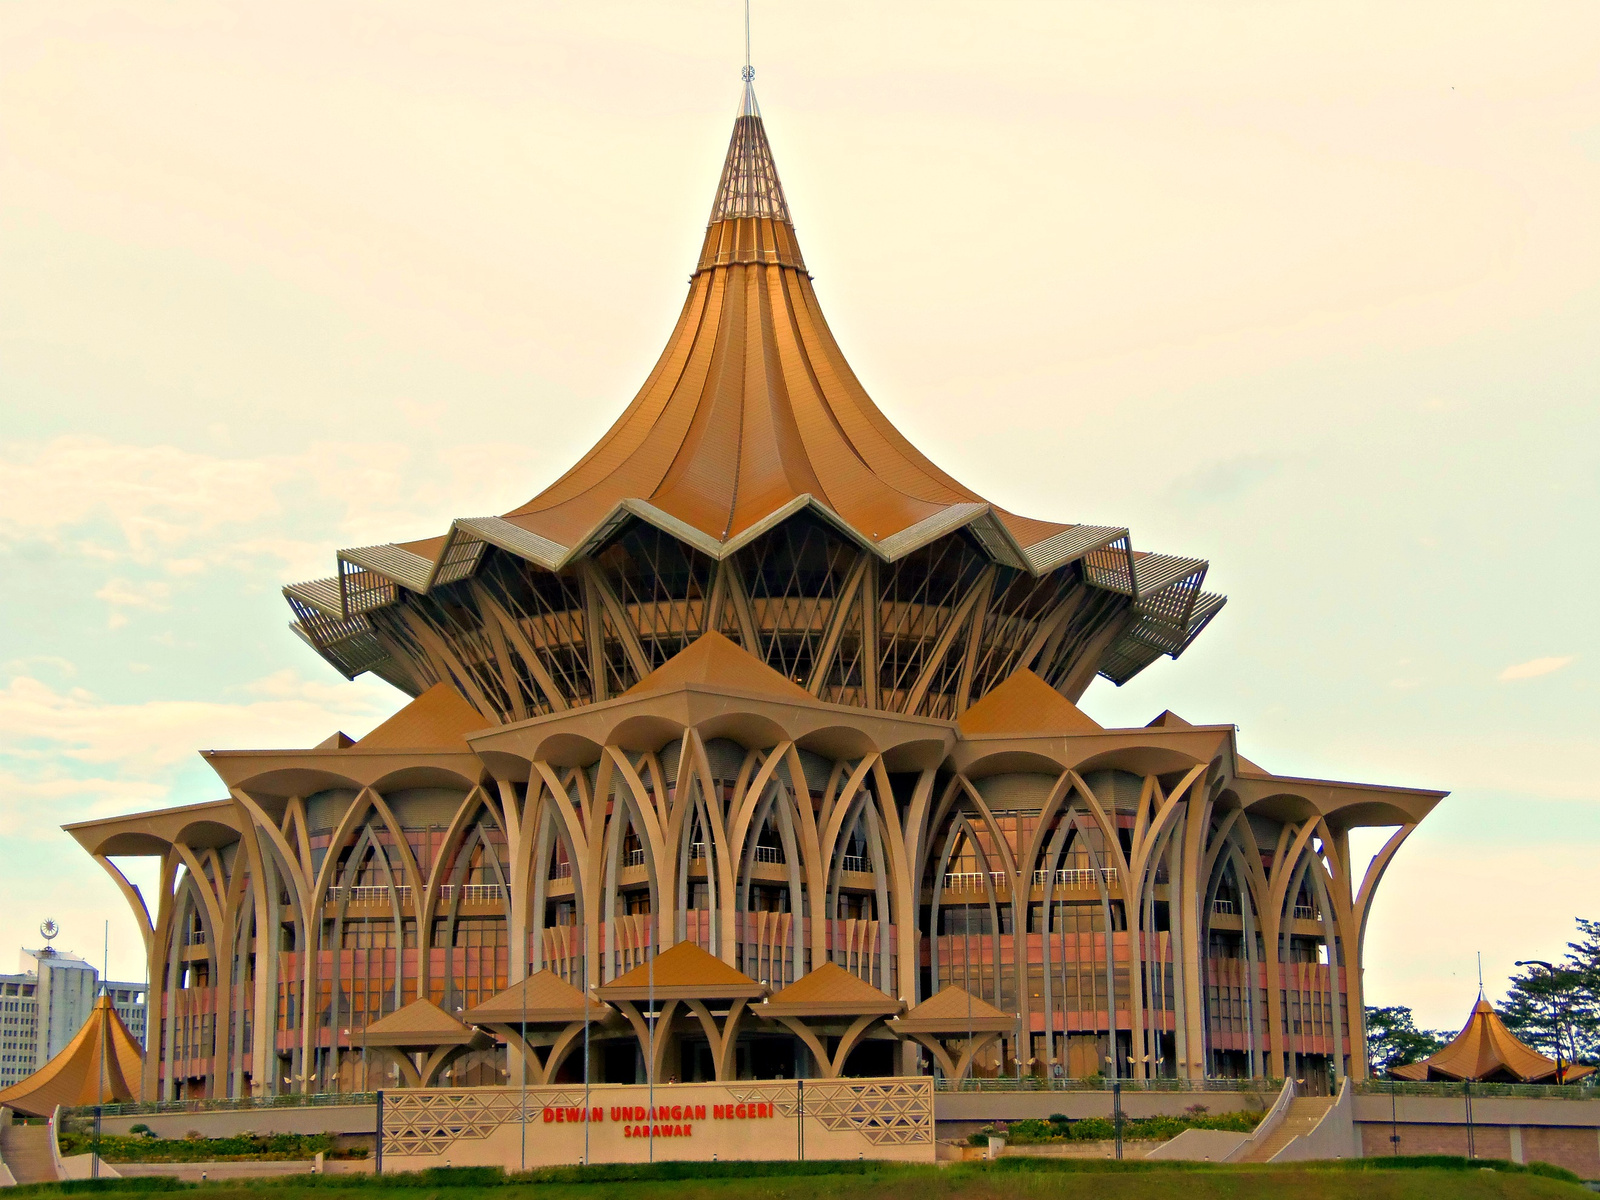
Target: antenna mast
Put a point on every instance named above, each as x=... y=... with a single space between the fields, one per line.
x=749 y=72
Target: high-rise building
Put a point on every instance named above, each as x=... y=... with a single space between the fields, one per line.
x=45 y=1004
x=757 y=686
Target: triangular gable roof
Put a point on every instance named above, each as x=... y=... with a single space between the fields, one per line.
x=715 y=660
x=420 y=1023
x=1022 y=704
x=1486 y=1050
x=73 y=1077
x=438 y=719
x=683 y=972
x=829 y=990
x=542 y=998
x=955 y=1010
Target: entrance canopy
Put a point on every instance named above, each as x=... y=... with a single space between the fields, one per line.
x=420 y=1039
x=685 y=972
x=543 y=998
x=102 y=1065
x=830 y=991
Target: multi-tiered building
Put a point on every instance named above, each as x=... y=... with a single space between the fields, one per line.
x=758 y=687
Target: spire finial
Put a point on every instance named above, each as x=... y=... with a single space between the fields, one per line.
x=749 y=72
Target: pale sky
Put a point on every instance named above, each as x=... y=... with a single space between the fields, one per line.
x=1308 y=290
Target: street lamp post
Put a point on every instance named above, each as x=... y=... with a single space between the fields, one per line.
x=1116 y=1098
x=1557 y=1009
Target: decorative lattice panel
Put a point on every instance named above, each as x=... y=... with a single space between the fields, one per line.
x=430 y=1122
x=887 y=1112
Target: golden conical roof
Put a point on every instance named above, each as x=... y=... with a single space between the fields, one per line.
x=101 y=1065
x=1486 y=1050
x=750 y=416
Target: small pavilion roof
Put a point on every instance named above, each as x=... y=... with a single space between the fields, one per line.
x=1025 y=704
x=74 y=1076
x=715 y=660
x=543 y=998
x=683 y=972
x=420 y=1024
x=955 y=1010
x=1486 y=1050
x=829 y=991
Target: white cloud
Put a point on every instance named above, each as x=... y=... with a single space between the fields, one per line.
x=156 y=495
x=147 y=594
x=1534 y=668
x=39 y=723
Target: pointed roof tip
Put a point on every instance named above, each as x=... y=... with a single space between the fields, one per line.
x=749 y=184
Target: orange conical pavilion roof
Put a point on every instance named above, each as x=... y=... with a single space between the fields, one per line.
x=101 y=1065
x=1486 y=1050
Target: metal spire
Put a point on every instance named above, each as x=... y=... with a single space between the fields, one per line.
x=749 y=185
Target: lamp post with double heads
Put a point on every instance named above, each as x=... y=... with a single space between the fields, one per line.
x=1557 y=1009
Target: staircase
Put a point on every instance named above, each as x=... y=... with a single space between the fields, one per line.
x=1302 y=1117
x=28 y=1151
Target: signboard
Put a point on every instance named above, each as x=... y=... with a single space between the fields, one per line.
x=516 y=1128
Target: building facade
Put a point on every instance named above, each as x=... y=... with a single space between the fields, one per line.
x=756 y=676
x=48 y=1001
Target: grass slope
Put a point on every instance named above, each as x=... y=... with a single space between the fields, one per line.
x=1010 y=1180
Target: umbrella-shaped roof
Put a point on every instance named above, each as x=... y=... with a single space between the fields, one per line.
x=1486 y=1050
x=101 y=1065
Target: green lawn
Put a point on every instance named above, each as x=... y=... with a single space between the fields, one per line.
x=1014 y=1180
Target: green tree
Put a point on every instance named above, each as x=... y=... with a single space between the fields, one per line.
x=1542 y=1004
x=1393 y=1039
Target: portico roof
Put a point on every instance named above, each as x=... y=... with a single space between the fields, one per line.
x=955 y=1010
x=683 y=972
x=422 y=1024
x=543 y=998
x=829 y=991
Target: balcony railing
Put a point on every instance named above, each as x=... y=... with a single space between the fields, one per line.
x=364 y=896
x=472 y=893
x=562 y=870
x=855 y=862
x=1224 y=908
x=1076 y=877
x=698 y=850
x=195 y=937
x=633 y=858
x=972 y=881
x=769 y=854
x=1304 y=912
x=1034 y=1083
